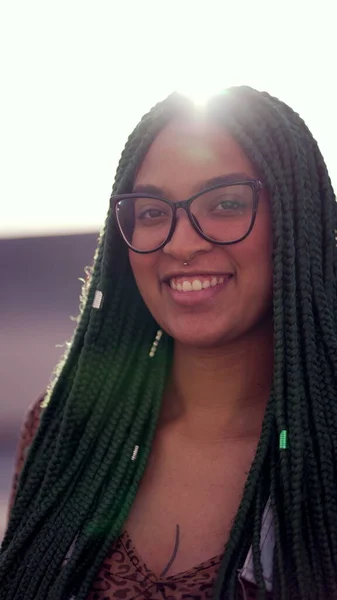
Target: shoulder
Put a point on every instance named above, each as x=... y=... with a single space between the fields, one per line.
x=28 y=431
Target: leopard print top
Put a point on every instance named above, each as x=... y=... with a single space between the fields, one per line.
x=123 y=575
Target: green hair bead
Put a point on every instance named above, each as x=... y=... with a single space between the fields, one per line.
x=283 y=439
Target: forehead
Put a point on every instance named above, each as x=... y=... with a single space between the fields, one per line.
x=187 y=152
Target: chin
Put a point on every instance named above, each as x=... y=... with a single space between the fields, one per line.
x=200 y=336
x=215 y=331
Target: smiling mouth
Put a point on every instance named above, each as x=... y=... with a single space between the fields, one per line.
x=196 y=283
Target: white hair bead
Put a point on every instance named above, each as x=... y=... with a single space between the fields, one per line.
x=98 y=298
x=155 y=343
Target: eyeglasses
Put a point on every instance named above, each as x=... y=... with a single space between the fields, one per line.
x=222 y=214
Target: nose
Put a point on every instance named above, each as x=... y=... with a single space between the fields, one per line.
x=186 y=242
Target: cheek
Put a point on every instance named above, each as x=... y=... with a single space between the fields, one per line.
x=144 y=270
x=259 y=244
x=255 y=261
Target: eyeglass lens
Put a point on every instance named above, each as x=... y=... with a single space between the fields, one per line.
x=223 y=214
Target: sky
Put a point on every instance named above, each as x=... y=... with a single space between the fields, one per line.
x=76 y=76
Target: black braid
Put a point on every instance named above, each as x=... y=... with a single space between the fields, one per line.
x=79 y=481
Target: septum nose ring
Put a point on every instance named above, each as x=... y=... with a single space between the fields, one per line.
x=185 y=264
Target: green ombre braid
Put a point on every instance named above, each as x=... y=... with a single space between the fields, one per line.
x=79 y=481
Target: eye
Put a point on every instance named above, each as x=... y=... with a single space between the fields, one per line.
x=235 y=206
x=230 y=204
x=151 y=213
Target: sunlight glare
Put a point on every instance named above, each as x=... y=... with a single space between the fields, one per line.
x=199 y=96
x=199 y=82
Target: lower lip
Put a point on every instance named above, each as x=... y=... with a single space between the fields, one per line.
x=193 y=298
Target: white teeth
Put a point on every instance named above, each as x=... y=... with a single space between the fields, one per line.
x=196 y=285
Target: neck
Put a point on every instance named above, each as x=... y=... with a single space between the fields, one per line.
x=221 y=393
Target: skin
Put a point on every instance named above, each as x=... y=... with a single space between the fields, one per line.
x=183 y=156
x=215 y=400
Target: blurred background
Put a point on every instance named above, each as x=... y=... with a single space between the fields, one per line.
x=76 y=76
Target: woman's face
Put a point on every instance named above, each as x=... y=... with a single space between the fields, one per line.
x=182 y=157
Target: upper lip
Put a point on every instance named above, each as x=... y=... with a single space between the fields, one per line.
x=195 y=274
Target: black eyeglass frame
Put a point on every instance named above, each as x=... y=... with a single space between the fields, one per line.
x=255 y=184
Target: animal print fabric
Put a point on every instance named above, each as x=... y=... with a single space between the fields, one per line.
x=123 y=575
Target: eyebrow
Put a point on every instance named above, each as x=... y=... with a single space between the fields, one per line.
x=199 y=187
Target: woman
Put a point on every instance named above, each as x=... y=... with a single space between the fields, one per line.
x=188 y=445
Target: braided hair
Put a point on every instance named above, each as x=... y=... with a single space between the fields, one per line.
x=79 y=481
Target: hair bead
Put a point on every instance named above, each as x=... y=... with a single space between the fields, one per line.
x=134 y=453
x=155 y=343
x=283 y=439
x=98 y=299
